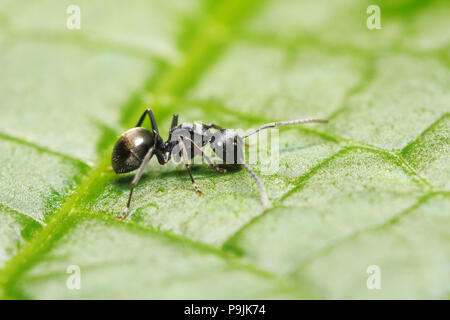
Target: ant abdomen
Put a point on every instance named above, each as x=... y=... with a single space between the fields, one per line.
x=130 y=149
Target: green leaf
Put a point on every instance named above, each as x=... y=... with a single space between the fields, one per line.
x=370 y=188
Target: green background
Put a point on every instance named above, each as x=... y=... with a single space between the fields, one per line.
x=369 y=188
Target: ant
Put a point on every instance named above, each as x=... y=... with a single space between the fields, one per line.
x=137 y=146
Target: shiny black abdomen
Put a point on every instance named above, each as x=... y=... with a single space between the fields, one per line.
x=131 y=149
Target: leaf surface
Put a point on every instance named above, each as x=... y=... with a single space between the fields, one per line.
x=369 y=188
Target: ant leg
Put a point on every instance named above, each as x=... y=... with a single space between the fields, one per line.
x=205 y=156
x=172 y=126
x=283 y=123
x=211 y=125
x=135 y=181
x=174 y=121
x=149 y=112
x=186 y=164
x=262 y=190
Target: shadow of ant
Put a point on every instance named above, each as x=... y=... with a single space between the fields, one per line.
x=201 y=170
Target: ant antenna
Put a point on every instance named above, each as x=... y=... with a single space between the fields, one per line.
x=262 y=190
x=283 y=123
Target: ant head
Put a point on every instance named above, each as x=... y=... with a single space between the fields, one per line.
x=131 y=149
x=228 y=145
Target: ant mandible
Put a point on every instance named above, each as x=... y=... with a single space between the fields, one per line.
x=137 y=146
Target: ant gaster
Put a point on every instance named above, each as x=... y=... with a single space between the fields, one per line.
x=137 y=146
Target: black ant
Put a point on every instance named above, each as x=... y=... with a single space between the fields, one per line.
x=136 y=147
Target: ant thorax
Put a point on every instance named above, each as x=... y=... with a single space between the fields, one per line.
x=194 y=131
